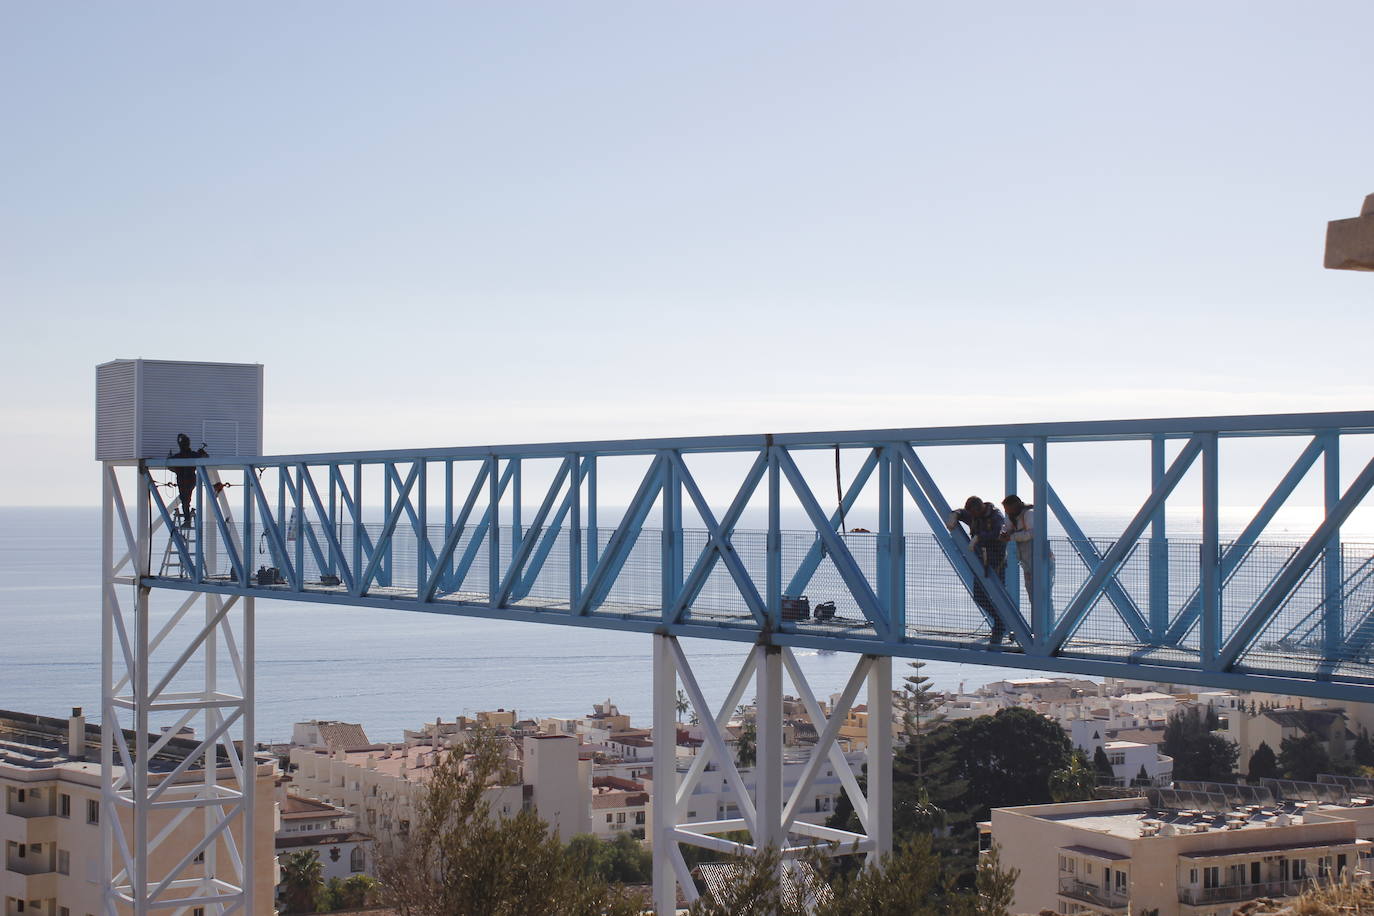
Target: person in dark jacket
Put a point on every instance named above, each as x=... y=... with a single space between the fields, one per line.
x=186 y=477
x=984 y=525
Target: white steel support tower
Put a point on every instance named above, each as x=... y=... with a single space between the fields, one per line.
x=177 y=828
x=768 y=813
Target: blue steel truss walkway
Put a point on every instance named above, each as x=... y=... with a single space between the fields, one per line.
x=365 y=529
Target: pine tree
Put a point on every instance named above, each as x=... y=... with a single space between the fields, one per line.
x=919 y=707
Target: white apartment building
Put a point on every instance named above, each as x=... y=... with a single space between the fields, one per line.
x=619 y=806
x=50 y=817
x=331 y=832
x=1121 y=856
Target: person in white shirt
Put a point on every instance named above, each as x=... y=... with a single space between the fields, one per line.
x=1020 y=529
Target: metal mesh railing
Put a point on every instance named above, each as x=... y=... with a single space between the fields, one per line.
x=939 y=603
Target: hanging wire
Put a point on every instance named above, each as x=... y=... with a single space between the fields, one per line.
x=839 y=491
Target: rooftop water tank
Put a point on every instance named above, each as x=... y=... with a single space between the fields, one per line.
x=141 y=405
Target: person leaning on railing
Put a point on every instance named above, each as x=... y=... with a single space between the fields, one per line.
x=1020 y=529
x=985 y=526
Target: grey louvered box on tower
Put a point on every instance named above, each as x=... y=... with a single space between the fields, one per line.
x=141 y=405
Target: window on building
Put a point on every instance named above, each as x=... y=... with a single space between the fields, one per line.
x=64 y=911
x=200 y=858
x=357 y=859
x=64 y=862
x=1192 y=876
x=198 y=911
x=639 y=819
x=620 y=817
x=1298 y=869
x=92 y=811
x=23 y=850
x=64 y=805
x=21 y=796
x=609 y=818
x=1211 y=876
x=1120 y=881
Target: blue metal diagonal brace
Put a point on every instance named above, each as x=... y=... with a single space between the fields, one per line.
x=421 y=535
x=306 y=531
x=719 y=546
x=221 y=523
x=549 y=539
x=1250 y=627
x=178 y=540
x=859 y=587
x=623 y=540
x=455 y=534
x=1092 y=589
x=354 y=510
x=1087 y=550
x=801 y=579
x=331 y=536
x=272 y=530
x=1236 y=553
x=388 y=528
x=480 y=533
x=933 y=505
x=530 y=538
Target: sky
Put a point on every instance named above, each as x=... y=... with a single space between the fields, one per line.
x=475 y=223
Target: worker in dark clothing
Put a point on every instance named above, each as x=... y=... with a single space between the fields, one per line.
x=186 y=477
x=984 y=524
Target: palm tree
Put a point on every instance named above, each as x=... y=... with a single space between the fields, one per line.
x=682 y=705
x=302 y=875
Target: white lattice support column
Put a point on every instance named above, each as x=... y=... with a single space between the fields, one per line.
x=663 y=804
x=880 y=755
x=177 y=816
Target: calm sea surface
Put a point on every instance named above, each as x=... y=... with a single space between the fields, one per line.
x=387 y=670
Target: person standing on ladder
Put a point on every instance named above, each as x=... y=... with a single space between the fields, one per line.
x=985 y=540
x=186 y=477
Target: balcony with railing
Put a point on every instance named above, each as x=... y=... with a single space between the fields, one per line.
x=1232 y=893
x=1102 y=898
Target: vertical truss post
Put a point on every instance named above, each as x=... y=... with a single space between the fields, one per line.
x=883 y=541
x=139 y=684
x=109 y=607
x=663 y=803
x=773 y=576
x=670 y=535
x=494 y=531
x=768 y=767
x=880 y=755
x=388 y=503
x=359 y=531
x=1010 y=478
x=517 y=529
x=895 y=545
x=593 y=536
x=1333 y=633
x=422 y=527
x=575 y=461
x=1159 y=548
x=1042 y=615
x=331 y=511
x=1210 y=560
x=249 y=781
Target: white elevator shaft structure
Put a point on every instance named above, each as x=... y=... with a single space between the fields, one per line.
x=177 y=830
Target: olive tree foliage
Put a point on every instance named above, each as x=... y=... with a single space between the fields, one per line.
x=459 y=859
x=907 y=882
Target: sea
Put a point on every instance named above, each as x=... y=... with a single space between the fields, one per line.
x=389 y=670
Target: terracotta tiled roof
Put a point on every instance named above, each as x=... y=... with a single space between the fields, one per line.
x=295 y=806
x=342 y=736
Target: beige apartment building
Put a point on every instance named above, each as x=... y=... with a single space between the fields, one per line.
x=50 y=819
x=382 y=785
x=1125 y=856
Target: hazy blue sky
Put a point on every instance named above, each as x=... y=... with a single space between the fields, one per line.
x=463 y=223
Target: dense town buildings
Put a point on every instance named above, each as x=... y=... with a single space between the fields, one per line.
x=50 y=823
